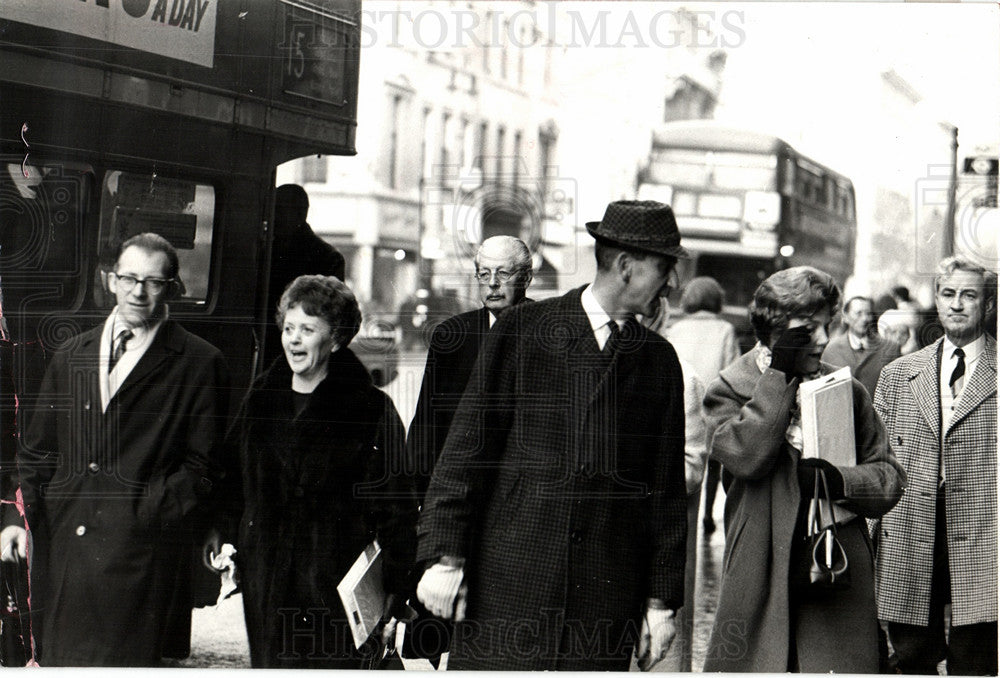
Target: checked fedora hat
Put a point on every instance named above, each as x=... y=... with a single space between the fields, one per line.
x=644 y=225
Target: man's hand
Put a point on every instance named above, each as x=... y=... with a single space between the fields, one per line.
x=13 y=544
x=438 y=590
x=658 y=631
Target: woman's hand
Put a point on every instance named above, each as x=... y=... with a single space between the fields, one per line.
x=807 y=478
x=786 y=349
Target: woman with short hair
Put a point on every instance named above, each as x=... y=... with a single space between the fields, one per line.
x=320 y=450
x=769 y=619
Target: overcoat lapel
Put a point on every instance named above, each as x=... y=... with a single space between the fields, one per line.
x=981 y=386
x=168 y=341
x=924 y=385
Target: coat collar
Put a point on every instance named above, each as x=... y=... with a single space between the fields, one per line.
x=168 y=342
x=346 y=379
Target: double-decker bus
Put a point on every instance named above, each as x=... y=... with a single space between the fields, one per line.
x=171 y=116
x=748 y=204
x=146 y=115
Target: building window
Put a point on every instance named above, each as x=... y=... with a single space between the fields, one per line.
x=424 y=155
x=394 y=141
x=480 y=159
x=444 y=159
x=501 y=134
x=504 y=51
x=516 y=172
x=312 y=170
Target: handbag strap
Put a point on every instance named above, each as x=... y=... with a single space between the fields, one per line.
x=821 y=476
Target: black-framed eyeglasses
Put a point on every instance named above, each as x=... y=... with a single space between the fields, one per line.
x=485 y=275
x=153 y=285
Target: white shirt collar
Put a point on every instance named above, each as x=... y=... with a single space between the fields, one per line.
x=597 y=316
x=866 y=343
x=971 y=350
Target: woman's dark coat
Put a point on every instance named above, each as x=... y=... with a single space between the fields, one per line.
x=317 y=488
x=757 y=616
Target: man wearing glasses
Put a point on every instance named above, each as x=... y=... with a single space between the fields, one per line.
x=553 y=529
x=118 y=458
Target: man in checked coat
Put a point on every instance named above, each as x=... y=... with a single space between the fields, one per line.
x=557 y=507
x=939 y=544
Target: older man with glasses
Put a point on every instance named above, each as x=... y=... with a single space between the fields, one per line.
x=120 y=455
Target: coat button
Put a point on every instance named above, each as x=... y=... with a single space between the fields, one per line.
x=899 y=440
x=86 y=405
x=581 y=468
x=81 y=530
x=299 y=492
x=93 y=467
x=576 y=536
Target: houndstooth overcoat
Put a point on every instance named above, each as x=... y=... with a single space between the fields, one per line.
x=562 y=484
x=908 y=400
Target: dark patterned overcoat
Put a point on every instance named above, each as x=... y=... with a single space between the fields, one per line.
x=562 y=483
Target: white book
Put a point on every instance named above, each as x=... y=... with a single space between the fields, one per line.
x=362 y=593
x=827 y=411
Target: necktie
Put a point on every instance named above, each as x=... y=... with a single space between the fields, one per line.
x=611 y=345
x=959 y=370
x=120 y=348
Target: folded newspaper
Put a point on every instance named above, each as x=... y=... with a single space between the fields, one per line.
x=362 y=593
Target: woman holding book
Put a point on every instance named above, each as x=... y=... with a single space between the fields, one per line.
x=769 y=618
x=319 y=450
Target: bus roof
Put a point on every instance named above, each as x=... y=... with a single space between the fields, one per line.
x=713 y=135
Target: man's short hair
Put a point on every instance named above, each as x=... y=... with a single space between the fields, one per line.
x=605 y=252
x=152 y=242
x=522 y=255
x=794 y=292
x=949 y=265
x=702 y=294
x=295 y=197
x=326 y=297
x=857 y=297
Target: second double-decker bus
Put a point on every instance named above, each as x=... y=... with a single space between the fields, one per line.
x=748 y=204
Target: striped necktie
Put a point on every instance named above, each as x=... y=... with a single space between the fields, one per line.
x=120 y=347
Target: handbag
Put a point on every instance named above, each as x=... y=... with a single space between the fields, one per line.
x=829 y=567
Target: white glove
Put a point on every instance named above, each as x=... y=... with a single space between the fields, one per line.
x=439 y=588
x=658 y=631
x=13 y=544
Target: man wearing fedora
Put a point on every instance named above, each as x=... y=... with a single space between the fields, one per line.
x=554 y=526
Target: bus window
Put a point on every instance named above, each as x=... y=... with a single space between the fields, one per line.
x=43 y=207
x=181 y=211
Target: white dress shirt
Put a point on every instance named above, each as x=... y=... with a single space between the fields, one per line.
x=136 y=347
x=950 y=397
x=598 y=317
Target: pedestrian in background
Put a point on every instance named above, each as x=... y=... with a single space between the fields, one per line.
x=768 y=619
x=939 y=545
x=708 y=342
x=861 y=348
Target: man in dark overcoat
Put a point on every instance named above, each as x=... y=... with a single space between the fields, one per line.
x=119 y=456
x=939 y=544
x=557 y=506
